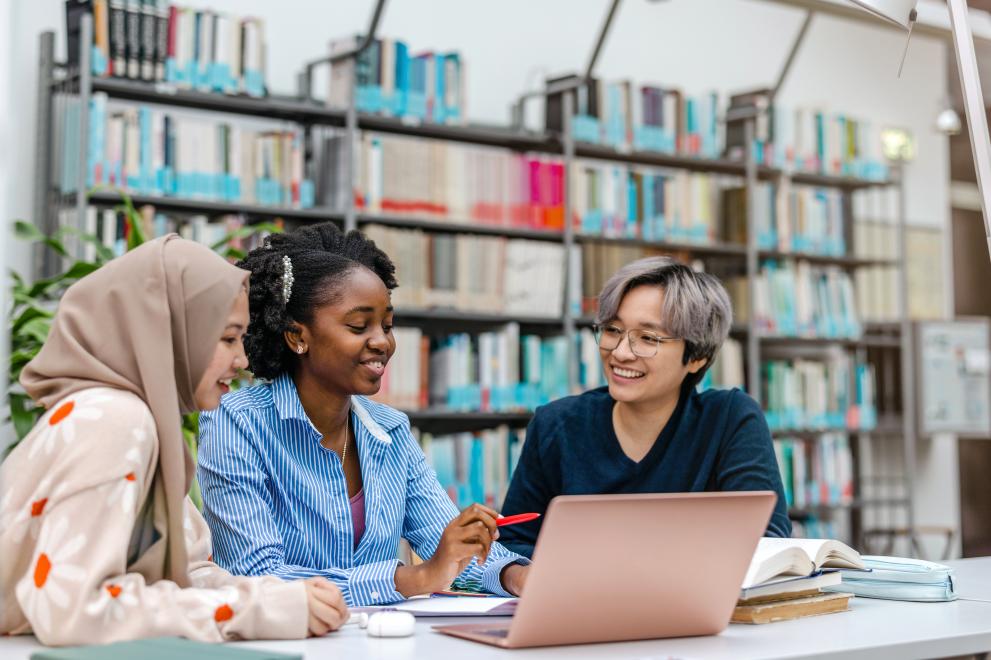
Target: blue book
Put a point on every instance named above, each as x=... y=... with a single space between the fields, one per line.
x=402 y=79
x=440 y=110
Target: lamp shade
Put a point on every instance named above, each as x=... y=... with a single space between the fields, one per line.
x=895 y=11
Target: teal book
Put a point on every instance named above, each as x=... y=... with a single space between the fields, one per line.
x=161 y=648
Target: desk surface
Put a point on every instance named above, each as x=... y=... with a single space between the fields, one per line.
x=872 y=629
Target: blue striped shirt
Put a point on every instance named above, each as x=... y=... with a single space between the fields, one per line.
x=277 y=504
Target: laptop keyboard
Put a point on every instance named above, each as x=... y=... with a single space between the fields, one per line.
x=495 y=632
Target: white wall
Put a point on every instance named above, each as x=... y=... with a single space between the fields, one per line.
x=510 y=46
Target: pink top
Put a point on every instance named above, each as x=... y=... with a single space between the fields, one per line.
x=358 y=515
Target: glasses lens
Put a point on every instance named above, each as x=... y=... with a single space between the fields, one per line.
x=608 y=336
x=644 y=344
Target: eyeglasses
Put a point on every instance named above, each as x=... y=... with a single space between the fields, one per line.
x=643 y=343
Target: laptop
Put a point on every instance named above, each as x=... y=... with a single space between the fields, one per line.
x=609 y=568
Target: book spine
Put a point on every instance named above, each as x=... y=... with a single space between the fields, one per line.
x=132 y=21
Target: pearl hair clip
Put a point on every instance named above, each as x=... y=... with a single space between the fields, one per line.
x=287 y=278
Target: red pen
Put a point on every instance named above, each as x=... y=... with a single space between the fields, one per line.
x=518 y=518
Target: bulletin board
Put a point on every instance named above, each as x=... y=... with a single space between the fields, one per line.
x=954 y=377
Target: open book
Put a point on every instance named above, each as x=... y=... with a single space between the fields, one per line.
x=778 y=557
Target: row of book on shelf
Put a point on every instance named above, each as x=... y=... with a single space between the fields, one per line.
x=788 y=218
x=157 y=41
x=213 y=51
x=388 y=79
x=798 y=299
x=474 y=467
x=816 y=472
x=618 y=201
x=500 y=370
x=443 y=180
x=834 y=392
x=490 y=274
x=149 y=151
x=800 y=139
x=622 y=115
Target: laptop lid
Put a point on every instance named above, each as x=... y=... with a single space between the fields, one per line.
x=644 y=566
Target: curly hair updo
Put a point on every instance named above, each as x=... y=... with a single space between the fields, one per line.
x=322 y=257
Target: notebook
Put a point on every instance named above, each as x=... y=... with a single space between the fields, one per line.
x=900 y=578
x=777 y=557
x=160 y=648
x=452 y=606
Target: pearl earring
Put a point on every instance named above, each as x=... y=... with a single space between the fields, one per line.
x=299 y=349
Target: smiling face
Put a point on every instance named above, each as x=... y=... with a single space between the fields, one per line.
x=228 y=357
x=645 y=380
x=349 y=341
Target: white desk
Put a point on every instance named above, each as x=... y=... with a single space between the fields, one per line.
x=873 y=629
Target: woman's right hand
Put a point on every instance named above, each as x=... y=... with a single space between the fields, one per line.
x=326 y=606
x=469 y=535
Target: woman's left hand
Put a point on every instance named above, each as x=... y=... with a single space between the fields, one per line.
x=514 y=577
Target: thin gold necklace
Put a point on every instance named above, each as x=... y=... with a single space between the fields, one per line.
x=347 y=421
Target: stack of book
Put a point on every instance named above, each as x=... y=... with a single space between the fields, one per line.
x=145 y=150
x=648 y=118
x=467 y=272
x=619 y=201
x=474 y=467
x=156 y=41
x=788 y=218
x=389 y=80
x=447 y=181
x=788 y=577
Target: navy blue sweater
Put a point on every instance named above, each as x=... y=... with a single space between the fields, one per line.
x=717 y=440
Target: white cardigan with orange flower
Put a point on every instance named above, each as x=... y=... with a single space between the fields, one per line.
x=70 y=494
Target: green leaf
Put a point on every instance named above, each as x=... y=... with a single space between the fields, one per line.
x=37 y=329
x=78 y=270
x=18 y=360
x=103 y=253
x=23 y=413
x=28 y=232
x=32 y=312
x=135 y=233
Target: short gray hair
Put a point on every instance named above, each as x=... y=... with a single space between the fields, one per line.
x=696 y=306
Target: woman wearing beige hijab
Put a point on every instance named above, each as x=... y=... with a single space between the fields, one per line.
x=98 y=541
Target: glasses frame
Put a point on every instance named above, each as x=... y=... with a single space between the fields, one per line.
x=634 y=341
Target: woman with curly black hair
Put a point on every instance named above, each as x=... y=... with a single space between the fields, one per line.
x=303 y=475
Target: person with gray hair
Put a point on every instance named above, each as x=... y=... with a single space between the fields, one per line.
x=659 y=326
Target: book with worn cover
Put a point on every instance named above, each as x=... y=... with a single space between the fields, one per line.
x=790 y=587
x=160 y=648
x=793 y=608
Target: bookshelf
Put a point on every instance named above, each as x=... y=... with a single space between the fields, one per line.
x=890 y=338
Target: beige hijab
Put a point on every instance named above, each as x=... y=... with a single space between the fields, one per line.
x=148 y=323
